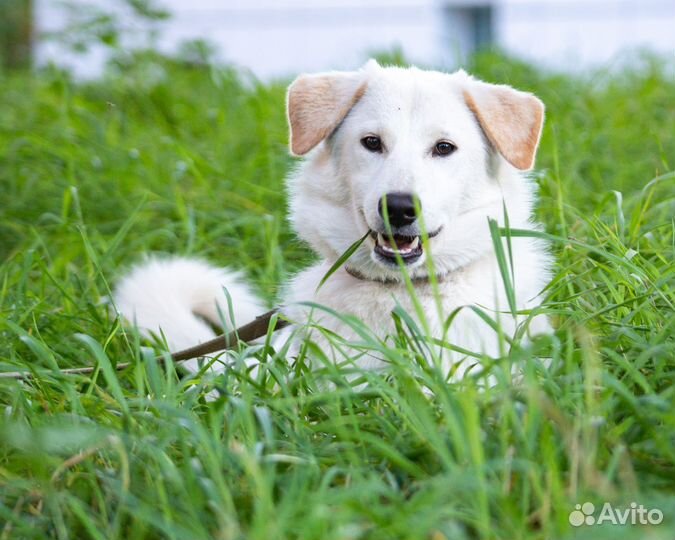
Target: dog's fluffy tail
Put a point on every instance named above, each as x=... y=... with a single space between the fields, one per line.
x=181 y=298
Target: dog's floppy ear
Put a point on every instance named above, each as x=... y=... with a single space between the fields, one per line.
x=512 y=120
x=316 y=105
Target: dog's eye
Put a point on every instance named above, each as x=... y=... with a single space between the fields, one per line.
x=443 y=148
x=372 y=143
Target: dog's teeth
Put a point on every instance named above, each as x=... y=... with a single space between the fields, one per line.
x=381 y=240
x=415 y=243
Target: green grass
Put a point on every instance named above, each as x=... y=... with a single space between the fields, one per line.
x=170 y=158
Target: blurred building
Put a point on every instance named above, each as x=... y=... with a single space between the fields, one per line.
x=281 y=37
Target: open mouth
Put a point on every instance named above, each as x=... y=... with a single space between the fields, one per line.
x=408 y=248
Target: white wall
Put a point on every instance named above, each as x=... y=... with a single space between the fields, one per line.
x=277 y=38
x=282 y=37
x=574 y=34
x=287 y=36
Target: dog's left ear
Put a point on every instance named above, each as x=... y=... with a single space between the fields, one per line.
x=316 y=105
x=511 y=120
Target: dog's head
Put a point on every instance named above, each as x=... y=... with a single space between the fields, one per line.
x=417 y=159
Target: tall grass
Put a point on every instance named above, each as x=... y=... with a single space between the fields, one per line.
x=168 y=157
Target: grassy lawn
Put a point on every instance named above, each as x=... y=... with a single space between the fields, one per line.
x=166 y=157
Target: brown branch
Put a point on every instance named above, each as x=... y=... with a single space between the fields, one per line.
x=244 y=334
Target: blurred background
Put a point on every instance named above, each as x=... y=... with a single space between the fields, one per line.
x=278 y=38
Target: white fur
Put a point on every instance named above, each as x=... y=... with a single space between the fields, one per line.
x=334 y=196
x=175 y=297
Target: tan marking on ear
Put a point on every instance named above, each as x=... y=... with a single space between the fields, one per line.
x=316 y=105
x=512 y=120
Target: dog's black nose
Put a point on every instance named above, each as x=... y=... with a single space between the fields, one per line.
x=400 y=208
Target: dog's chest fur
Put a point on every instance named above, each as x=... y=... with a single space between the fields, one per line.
x=478 y=285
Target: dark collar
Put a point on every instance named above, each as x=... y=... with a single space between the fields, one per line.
x=390 y=281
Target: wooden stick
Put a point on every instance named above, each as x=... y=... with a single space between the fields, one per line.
x=247 y=333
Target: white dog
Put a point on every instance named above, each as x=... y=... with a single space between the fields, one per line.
x=414 y=161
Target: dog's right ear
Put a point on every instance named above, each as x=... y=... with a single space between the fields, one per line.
x=316 y=104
